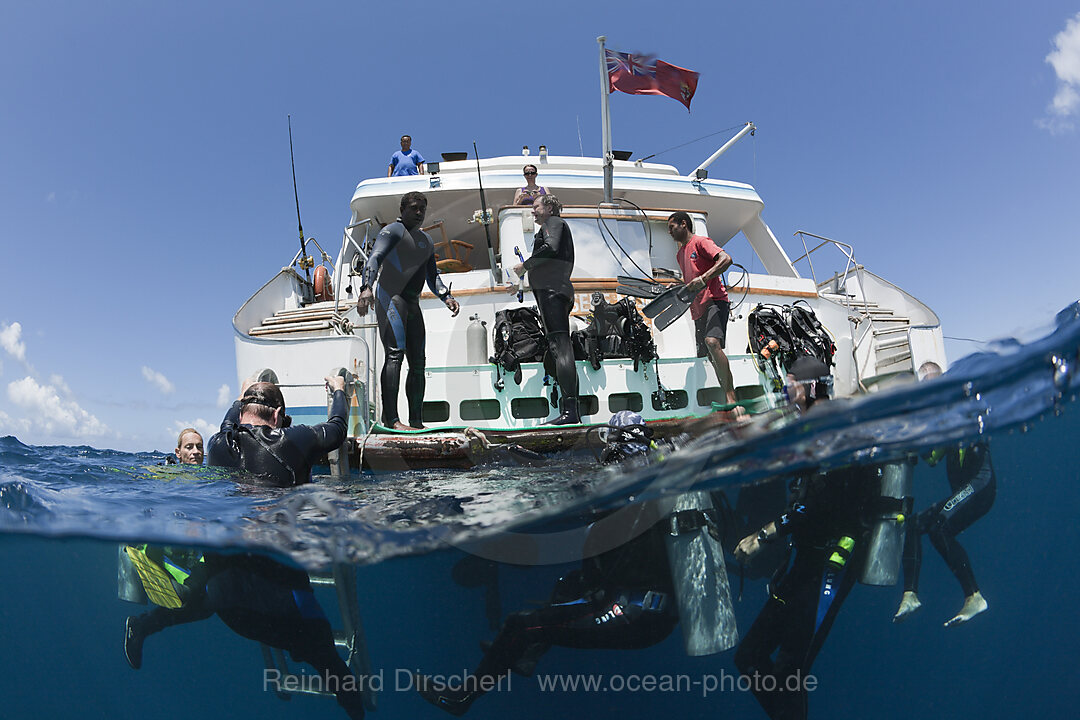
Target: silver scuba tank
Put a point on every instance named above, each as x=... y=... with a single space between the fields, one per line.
x=699 y=576
x=476 y=347
x=886 y=547
x=128 y=584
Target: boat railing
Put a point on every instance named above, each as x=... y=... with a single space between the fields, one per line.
x=346 y=240
x=361 y=389
x=838 y=280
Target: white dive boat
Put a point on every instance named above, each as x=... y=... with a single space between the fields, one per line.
x=879 y=330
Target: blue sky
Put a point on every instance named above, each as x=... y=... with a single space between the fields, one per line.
x=145 y=187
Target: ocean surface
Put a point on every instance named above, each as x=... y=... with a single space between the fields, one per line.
x=440 y=557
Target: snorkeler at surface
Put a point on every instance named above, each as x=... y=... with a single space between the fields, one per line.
x=403 y=259
x=256 y=435
x=974 y=486
x=828 y=524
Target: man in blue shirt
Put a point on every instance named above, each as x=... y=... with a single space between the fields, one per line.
x=406 y=161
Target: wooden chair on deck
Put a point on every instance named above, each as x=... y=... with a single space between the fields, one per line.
x=450 y=255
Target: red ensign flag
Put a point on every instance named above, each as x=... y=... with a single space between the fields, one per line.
x=645 y=75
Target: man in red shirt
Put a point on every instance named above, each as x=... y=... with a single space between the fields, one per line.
x=701 y=262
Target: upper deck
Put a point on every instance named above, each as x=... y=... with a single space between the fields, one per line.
x=453 y=193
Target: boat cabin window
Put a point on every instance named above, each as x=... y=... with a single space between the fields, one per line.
x=472 y=410
x=529 y=407
x=708 y=395
x=618 y=402
x=676 y=400
x=588 y=404
x=436 y=412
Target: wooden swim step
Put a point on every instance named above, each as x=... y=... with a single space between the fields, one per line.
x=310 y=318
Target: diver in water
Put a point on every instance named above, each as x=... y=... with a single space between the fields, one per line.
x=262 y=600
x=620 y=599
x=549 y=267
x=828 y=524
x=256 y=435
x=645 y=565
x=974 y=486
x=406 y=257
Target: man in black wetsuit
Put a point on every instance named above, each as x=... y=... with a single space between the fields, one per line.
x=549 y=268
x=257 y=597
x=260 y=599
x=622 y=598
x=406 y=257
x=974 y=486
x=830 y=533
x=255 y=436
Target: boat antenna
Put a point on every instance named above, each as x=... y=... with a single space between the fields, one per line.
x=305 y=261
x=495 y=271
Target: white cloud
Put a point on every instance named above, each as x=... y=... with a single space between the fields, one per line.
x=156 y=378
x=1065 y=59
x=13 y=426
x=224 y=396
x=11 y=341
x=58 y=382
x=50 y=413
x=206 y=429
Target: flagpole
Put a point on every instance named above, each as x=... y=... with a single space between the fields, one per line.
x=605 y=116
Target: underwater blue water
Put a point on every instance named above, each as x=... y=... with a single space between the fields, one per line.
x=63 y=510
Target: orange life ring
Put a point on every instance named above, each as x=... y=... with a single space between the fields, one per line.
x=324 y=289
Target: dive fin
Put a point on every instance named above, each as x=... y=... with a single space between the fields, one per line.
x=669 y=306
x=524 y=456
x=639 y=287
x=157 y=583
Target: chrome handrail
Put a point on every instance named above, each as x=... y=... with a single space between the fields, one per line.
x=850 y=265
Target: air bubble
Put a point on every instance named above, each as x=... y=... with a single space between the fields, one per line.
x=1062 y=372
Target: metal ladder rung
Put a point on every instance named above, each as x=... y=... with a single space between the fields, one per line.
x=902 y=342
x=893 y=360
x=889 y=331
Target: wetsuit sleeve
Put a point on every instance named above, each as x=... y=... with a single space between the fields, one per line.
x=795 y=516
x=434 y=280
x=550 y=244
x=330 y=434
x=232 y=417
x=384 y=243
x=791 y=520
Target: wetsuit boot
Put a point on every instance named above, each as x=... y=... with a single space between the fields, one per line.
x=570 y=413
x=133 y=642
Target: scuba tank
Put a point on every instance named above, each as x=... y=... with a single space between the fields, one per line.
x=886 y=546
x=699 y=577
x=128 y=584
x=476 y=347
